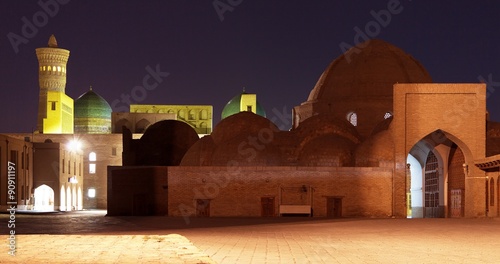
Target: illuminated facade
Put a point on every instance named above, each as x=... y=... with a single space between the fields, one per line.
x=59 y=176
x=59 y=117
x=142 y=116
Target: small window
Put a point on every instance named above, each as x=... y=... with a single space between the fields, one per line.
x=53 y=106
x=249 y=108
x=352 y=117
x=92 y=168
x=92 y=156
x=387 y=115
x=113 y=151
x=91 y=193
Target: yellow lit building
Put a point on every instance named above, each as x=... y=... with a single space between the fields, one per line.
x=59 y=118
x=142 y=116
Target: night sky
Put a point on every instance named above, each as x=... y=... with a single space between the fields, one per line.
x=276 y=49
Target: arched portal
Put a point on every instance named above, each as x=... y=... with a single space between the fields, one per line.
x=44 y=198
x=68 y=199
x=74 y=198
x=62 y=207
x=437 y=177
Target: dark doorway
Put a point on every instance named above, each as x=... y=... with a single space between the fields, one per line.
x=267 y=206
x=141 y=204
x=334 y=207
x=203 y=208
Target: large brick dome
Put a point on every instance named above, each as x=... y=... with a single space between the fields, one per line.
x=368 y=71
x=361 y=81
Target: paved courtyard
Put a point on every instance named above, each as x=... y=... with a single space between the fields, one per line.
x=91 y=237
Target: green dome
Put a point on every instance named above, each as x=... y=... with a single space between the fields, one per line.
x=92 y=114
x=234 y=105
x=92 y=105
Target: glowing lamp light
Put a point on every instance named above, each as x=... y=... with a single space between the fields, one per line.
x=74 y=145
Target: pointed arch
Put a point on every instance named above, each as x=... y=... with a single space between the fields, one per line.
x=142 y=125
x=62 y=199
x=449 y=198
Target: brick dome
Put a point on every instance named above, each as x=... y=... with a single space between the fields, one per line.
x=327 y=151
x=361 y=81
x=243 y=139
x=165 y=143
x=368 y=71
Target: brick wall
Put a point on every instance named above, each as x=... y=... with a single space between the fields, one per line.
x=237 y=191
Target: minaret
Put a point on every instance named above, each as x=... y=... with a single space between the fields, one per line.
x=52 y=62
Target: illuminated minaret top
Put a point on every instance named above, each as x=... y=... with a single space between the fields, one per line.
x=52 y=62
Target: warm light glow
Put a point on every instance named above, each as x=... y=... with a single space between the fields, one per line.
x=74 y=145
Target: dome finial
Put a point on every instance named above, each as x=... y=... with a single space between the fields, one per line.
x=91 y=87
x=243 y=89
x=52 y=41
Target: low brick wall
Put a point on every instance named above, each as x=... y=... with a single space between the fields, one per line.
x=237 y=191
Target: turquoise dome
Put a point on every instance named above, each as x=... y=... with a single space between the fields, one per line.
x=92 y=114
x=233 y=107
x=92 y=105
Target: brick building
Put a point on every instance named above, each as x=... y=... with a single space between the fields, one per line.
x=376 y=138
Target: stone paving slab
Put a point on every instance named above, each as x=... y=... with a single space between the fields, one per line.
x=171 y=248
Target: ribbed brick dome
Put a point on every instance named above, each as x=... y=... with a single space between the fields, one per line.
x=361 y=81
x=368 y=71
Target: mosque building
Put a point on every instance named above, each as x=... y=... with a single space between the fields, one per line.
x=375 y=138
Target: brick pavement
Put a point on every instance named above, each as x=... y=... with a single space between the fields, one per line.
x=255 y=240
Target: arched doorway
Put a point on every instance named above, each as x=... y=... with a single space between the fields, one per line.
x=456 y=182
x=437 y=171
x=68 y=199
x=62 y=199
x=44 y=198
